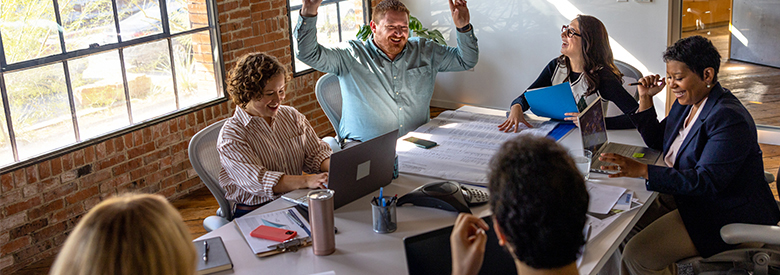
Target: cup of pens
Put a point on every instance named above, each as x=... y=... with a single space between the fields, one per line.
x=383 y=213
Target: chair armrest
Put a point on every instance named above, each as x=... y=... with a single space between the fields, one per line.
x=737 y=233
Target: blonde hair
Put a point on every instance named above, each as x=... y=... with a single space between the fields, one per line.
x=129 y=234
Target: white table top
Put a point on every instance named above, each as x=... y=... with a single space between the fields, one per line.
x=361 y=251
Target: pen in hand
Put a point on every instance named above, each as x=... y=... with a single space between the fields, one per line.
x=205 y=251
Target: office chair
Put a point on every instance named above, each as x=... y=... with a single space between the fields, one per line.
x=761 y=260
x=328 y=93
x=630 y=75
x=205 y=160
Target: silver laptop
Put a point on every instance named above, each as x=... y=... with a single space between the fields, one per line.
x=594 y=138
x=356 y=171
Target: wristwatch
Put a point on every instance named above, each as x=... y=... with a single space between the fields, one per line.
x=465 y=28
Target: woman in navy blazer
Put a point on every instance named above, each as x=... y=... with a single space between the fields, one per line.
x=715 y=170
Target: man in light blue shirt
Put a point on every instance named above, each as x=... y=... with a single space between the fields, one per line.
x=386 y=82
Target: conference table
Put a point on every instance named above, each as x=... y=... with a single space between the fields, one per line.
x=361 y=251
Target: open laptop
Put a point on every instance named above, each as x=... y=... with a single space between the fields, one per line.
x=594 y=138
x=356 y=171
x=429 y=253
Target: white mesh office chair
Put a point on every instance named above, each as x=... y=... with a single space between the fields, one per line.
x=205 y=160
x=758 y=261
x=630 y=75
x=328 y=93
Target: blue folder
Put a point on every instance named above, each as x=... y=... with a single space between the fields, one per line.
x=552 y=101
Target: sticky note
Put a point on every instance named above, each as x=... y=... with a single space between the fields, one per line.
x=639 y=155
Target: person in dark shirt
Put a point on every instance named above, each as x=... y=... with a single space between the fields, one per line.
x=586 y=62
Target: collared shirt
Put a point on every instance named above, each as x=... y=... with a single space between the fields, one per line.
x=254 y=155
x=380 y=95
x=671 y=156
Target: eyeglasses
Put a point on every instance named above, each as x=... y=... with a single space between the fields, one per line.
x=569 y=32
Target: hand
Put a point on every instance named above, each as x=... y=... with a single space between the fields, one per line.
x=628 y=167
x=651 y=85
x=310 y=7
x=468 y=244
x=460 y=13
x=572 y=117
x=316 y=181
x=514 y=119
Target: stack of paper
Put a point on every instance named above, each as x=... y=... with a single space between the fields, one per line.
x=606 y=204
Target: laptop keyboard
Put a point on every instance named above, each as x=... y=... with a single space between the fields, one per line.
x=623 y=150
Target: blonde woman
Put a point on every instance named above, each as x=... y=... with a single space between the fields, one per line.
x=129 y=234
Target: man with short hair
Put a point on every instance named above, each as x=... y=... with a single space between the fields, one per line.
x=386 y=82
x=539 y=200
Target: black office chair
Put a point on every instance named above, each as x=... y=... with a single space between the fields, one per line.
x=758 y=260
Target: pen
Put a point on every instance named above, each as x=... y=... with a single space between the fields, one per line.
x=380 y=191
x=205 y=251
x=640 y=83
x=294 y=219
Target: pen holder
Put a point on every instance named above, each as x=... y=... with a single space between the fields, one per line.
x=384 y=219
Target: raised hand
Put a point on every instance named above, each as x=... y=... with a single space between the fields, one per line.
x=310 y=7
x=651 y=85
x=460 y=13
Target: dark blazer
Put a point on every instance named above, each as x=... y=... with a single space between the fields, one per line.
x=718 y=176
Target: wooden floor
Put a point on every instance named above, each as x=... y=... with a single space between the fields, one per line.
x=758 y=87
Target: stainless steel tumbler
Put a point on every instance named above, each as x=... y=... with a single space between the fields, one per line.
x=321 y=218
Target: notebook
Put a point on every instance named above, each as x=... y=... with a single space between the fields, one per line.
x=217 y=258
x=429 y=253
x=287 y=218
x=356 y=171
x=594 y=138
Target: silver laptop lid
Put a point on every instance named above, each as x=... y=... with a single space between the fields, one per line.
x=592 y=126
x=363 y=168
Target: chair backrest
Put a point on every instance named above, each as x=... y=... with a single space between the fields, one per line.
x=205 y=160
x=328 y=92
x=628 y=70
x=630 y=75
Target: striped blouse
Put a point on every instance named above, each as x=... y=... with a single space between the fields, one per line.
x=255 y=155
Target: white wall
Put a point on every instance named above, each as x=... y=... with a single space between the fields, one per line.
x=517 y=38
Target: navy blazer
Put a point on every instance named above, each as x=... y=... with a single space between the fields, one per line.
x=718 y=175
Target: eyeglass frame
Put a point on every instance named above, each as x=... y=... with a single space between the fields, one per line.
x=569 y=32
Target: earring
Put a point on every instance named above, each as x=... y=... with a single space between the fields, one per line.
x=709 y=86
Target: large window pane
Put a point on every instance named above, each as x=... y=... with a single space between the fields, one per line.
x=180 y=12
x=149 y=80
x=40 y=111
x=29 y=29
x=139 y=18
x=194 y=63
x=86 y=22
x=99 y=94
x=351 y=18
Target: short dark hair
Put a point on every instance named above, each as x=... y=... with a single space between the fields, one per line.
x=697 y=53
x=248 y=78
x=388 y=5
x=539 y=199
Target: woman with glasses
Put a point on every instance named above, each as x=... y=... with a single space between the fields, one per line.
x=586 y=62
x=713 y=167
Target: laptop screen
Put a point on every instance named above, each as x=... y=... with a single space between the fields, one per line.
x=429 y=253
x=592 y=126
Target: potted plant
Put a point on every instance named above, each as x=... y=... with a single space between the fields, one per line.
x=414 y=25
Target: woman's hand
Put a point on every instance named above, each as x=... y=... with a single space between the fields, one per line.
x=514 y=119
x=627 y=167
x=316 y=181
x=573 y=118
x=651 y=85
x=468 y=244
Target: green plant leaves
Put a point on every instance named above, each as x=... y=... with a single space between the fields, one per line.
x=414 y=25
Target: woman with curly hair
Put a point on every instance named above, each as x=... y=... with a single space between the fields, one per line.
x=585 y=62
x=265 y=147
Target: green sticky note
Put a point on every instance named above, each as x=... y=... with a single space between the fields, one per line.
x=639 y=155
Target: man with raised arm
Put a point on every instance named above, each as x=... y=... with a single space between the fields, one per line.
x=386 y=82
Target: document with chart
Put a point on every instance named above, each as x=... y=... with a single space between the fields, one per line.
x=467 y=142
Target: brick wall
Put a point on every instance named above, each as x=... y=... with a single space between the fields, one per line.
x=41 y=203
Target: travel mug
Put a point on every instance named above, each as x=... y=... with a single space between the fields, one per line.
x=321 y=217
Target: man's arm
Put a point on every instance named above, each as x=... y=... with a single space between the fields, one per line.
x=309 y=50
x=466 y=55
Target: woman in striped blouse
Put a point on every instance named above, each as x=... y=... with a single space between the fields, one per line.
x=265 y=147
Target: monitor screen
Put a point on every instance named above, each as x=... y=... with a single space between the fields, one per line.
x=592 y=126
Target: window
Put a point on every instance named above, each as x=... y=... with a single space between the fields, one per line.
x=337 y=21
x=74 y=70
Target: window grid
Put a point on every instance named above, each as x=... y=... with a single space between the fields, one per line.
x=119 y=46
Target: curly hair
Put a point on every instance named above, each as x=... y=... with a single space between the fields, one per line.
x=388 y=5
x=596 y=52
x=697 y=53
x=248 y=78
x=539 y=200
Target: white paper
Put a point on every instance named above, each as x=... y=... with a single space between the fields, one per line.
x=248 y=223
x=603 y=197
x=466 y=143
x=597 y=225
